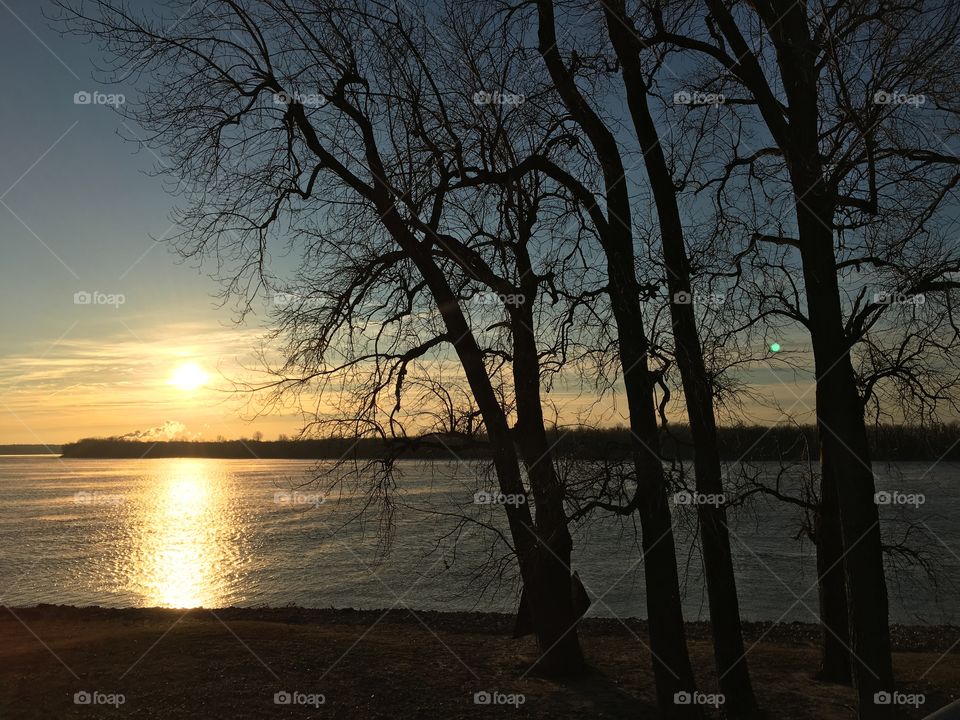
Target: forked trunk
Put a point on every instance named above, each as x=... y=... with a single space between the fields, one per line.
x=668 y=642
x=840 y=415
x=545 y=574
x=671 y=661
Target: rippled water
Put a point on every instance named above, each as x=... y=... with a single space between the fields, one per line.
x=214 y=533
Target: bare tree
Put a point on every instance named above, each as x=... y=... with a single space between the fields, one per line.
x=697 y=385
x=283 y=112
x=671 y=661
x=818 y=77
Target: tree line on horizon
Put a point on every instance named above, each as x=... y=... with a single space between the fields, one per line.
x=890 y=443
x=486 y=199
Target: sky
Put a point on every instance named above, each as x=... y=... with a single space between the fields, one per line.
x=97 y=317
x=80 y=214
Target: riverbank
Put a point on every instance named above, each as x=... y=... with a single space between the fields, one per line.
x=231 y=663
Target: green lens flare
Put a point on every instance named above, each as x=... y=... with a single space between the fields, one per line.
x=775 y=347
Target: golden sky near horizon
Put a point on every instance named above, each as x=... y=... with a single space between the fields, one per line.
x=176 y=376
x=178 y=379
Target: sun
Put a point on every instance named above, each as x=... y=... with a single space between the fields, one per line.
x=188 y=376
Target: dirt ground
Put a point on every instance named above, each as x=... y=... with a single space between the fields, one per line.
x=231 y=663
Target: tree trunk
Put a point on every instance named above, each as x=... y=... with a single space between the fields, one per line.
x=840 y=422
x=729 y=651
x=835 y=657
x=668 y=642
x=558 y=642
x=671 y=661
x=540 y=570
x=538 y=574
x=845 y=456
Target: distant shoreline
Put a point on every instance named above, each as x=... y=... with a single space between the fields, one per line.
x=14 y=450
x=749 y=443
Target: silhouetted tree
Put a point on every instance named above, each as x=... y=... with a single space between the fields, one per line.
x=281 y=113
x=825 y=83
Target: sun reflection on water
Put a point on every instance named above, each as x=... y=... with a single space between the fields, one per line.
x=183 y=546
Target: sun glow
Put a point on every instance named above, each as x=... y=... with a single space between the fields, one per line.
x=184 y=551
x=188 y=376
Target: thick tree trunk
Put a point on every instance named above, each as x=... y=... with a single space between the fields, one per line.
x=835 y=657
x=840 y=422
x=668 y=642
x=729 y=651
x=559 y=645
x=845 y=456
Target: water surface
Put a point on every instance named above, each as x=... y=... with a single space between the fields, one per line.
x=215 y=533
